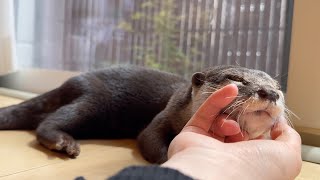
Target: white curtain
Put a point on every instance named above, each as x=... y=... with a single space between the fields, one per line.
x=7 y=37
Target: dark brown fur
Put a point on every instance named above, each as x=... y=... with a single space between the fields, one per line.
x=118 y=102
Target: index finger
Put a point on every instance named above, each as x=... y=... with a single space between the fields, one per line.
x=209 y=110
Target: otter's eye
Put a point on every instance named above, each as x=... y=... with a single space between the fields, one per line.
x=244 y=82
x=237 y=79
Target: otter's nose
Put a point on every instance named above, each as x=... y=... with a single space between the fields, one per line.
x=268 y=94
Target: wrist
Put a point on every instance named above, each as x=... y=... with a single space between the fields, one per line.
x=202 y=163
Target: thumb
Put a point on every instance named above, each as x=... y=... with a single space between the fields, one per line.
x=211 y=108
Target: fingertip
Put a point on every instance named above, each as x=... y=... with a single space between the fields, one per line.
x=230 y=127
x=233 y=86
x=224 y=96
x=231 y=89
x=242 y=136
x=283 y=132
x=277 y=130
x=223 y=127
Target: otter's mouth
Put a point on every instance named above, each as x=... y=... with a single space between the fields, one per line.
x=260 y=112
x=255 y=117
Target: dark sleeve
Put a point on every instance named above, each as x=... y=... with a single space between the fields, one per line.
x=150 y=173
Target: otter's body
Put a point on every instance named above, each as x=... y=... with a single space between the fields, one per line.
x=119 y=102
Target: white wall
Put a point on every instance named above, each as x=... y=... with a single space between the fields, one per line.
x=7 y=38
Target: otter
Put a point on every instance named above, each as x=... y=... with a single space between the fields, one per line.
x=137 y=102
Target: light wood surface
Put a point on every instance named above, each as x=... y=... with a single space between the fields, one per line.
x=23 y=158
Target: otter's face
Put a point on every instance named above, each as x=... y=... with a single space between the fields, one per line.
x=259 y=104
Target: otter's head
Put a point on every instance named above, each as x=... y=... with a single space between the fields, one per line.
x=259 y=104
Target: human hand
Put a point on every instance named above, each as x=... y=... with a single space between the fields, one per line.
x=197 y=153
x=226 y=130
x=221 y=128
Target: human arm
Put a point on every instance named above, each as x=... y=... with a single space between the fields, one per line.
x=195 y=153
x=199 y=150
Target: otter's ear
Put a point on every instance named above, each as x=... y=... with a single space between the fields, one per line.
x=198 y=79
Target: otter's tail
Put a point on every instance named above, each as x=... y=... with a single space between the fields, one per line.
x=28 y=114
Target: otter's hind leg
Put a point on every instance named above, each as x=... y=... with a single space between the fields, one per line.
x=53 y=131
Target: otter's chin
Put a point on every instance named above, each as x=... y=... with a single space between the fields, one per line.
x=256 y=123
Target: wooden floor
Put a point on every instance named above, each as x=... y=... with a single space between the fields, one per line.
x=21 y=157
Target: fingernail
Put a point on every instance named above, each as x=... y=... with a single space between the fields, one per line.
x=275 y=125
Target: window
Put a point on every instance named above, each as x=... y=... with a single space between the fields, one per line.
x=182 y=36
x=82 y=35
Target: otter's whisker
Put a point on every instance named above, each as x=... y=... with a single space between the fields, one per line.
x=233 y=105
x=288 y=114
x=282 y=75
x=241 y=133
x=233 y=97
x=214 y=88
x=276 y=76
x=240 y=102
x=292 y=113
x=289 y=121
x=240 y=114
x=242 y=124
x=208 y=92
x=236 y=103
x=236 y=108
